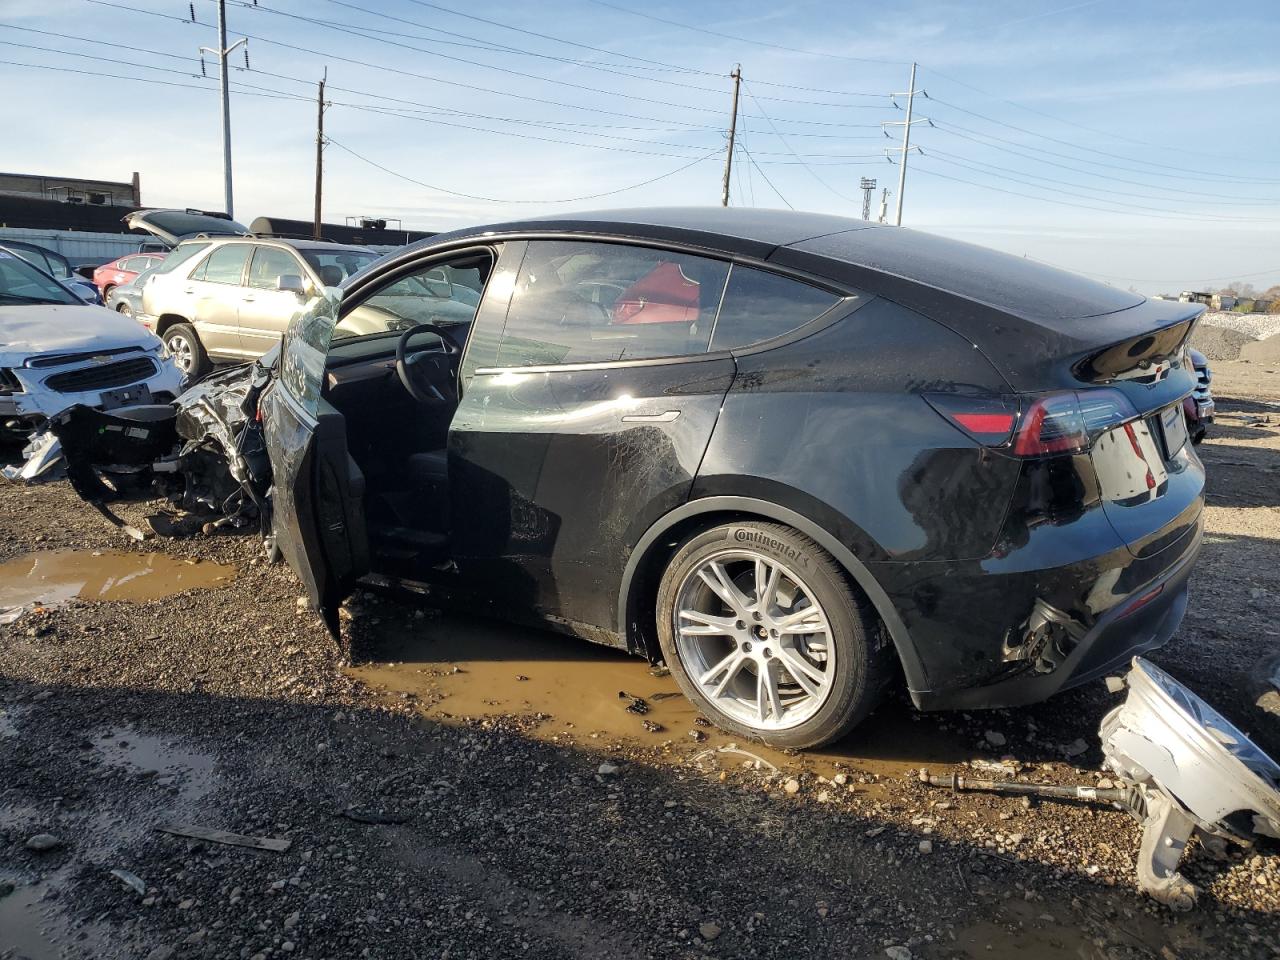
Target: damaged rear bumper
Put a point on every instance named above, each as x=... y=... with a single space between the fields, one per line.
x=992 y=635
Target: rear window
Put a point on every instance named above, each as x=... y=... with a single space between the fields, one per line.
x=760 y=306
x=183 y=253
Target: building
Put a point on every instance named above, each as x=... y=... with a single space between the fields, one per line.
x=1223 y=301
x=110 y=193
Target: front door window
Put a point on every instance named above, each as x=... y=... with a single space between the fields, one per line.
x=446 y=294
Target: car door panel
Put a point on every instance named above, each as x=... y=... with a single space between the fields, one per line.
x=317 y=489
x=556 y=473
x=554 y=466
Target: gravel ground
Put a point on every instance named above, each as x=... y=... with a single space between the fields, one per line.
x=410 y=836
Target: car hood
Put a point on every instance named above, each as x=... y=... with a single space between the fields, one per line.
x=30 y=330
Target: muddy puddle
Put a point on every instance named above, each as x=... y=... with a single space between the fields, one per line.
x=168 y=762
x=52 y=577
x=457 y=667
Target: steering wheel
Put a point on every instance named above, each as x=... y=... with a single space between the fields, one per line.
x=425 y=372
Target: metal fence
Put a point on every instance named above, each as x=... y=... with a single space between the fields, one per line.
x=80 y=247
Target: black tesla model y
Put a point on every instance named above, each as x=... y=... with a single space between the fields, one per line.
x=794 y=456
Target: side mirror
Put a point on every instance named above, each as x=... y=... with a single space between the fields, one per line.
x=291 y=283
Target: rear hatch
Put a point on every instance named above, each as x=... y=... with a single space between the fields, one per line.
x=1127 y=375
x=172 y=226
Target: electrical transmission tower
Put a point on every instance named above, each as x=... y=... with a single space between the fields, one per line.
x=868 y=187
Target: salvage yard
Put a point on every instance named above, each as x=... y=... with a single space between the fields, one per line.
x=454 y=787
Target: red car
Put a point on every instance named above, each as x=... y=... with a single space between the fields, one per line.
x=123 y=270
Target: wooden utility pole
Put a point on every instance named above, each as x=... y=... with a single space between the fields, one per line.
x=315 y=227
x=733 y=126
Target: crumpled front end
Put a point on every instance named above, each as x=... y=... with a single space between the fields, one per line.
x=205 y=450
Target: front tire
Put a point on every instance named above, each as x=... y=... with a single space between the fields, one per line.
x=764 y=634
x=187 y=351
x=124 y=309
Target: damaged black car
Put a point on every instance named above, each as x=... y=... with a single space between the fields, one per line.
x=797 y=457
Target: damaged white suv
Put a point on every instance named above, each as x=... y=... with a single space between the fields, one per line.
x=56 y=351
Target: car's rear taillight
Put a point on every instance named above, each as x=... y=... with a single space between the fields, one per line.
x=1066 y=422
x=989 y=420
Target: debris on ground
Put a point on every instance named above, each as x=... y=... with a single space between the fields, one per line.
x=222 y=836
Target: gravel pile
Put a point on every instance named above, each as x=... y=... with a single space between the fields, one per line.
x=1256 y=326
x=1219 y=343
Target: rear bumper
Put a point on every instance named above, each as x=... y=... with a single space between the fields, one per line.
x=1012 y=630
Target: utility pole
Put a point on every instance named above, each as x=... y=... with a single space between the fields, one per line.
x=733 y=127
x=222 y=53
x=315 y=227
x=868 y=185
x=884 y=205
x=906 y=141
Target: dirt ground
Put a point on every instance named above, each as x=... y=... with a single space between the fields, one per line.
x=465 y=788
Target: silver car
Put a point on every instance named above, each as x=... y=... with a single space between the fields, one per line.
x=229 y=298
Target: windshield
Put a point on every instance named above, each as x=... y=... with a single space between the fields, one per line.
x=22 y=283
x=334 y=266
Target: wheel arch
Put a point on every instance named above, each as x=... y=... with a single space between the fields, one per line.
x=648 y=559
x=167 y=320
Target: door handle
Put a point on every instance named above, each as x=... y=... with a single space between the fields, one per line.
x=189 y=290
x=665 y=417
x=247 y=298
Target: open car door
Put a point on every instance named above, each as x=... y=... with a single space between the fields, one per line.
x=317 y=490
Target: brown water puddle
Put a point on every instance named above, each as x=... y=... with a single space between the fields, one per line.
x=53 y=577
x=459 y=667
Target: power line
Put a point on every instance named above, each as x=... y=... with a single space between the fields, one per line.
x=1117 y=203
x=730 y=36
x=813 y=173
x=441 y=80
x=963 y=160
x=1061 y=203
x=1088 y=129
x=957 y=131
x=765 y=177
x=352 y=29
x=153 y=80
x=1196 y=174
x=471 y=196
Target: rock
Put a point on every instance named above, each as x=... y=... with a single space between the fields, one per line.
x=926 y=846
x=303 y=604
x=709 y=930
x=291 y=920
x=897 y=953
x=697 y=736
x=995 y=738
x=43 y=843
x=288 y=946
x=6 y=888
x=840 y=779
x=161 y=953
x=1074 y=749
x=791 y=787
x=607 y=769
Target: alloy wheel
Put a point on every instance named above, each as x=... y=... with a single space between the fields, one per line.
x=754 y=639
x=183 y=352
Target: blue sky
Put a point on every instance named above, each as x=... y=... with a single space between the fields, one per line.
x=1133 y=141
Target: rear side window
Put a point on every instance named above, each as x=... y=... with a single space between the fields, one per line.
x=183 y=253
x=760 y=306
x=595 y=302
x=269 y=265
x=224 y=265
